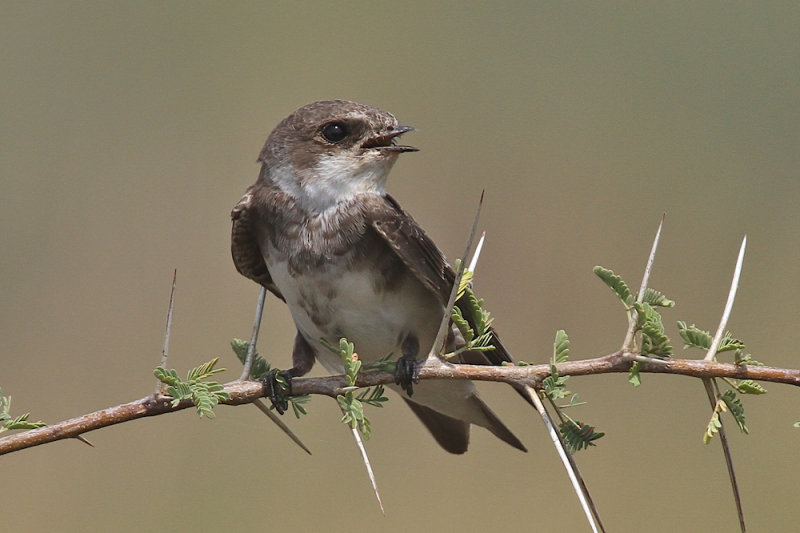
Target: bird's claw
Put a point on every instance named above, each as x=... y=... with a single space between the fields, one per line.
x=406 y=373
x=278 y=386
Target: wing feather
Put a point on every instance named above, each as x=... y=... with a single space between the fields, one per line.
x=421 y=255
x=245 y=249
x=417 y=251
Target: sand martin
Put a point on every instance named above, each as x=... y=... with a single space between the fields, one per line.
x=320 y=232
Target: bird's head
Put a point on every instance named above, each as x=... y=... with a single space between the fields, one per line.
x=330 y=151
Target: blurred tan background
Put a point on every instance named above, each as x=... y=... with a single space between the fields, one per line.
x=129 y=130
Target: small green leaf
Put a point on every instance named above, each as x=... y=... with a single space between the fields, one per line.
x=352 y=406
x=633 y=375
x=240 y=348
x=353 y=414
x=462 y=324
x=616 y=284
x=726 y=402
x=259 y=368
x=714 y=424
x=554 y=385
x=473 y=322
x=385 y=363
x=698 y=338
x=205 y=395
x=573 y=402
x=654 y=342
x=466 y=279
x=483 y=319
x=180 y=391
x=577 y=435
x=204 y=371
x=729 y=343
x=298 y=404
x=344 y=403
x=749 y=386
x=561 y=347
x=736 y=408
x=170 y=377
x=350 y=361
x=352 y=364
x=656 y=298
x=742 y=358
x=21 y=422
x=373 y=397
x=694 y=337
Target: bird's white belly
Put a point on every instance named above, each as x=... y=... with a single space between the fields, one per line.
x=336 y=302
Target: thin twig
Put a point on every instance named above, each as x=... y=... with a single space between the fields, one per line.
x=713 y=391
x=161 y=388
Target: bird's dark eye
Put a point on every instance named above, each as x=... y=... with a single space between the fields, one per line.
x=334 y=132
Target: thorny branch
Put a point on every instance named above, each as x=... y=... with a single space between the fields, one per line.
x=243 y=392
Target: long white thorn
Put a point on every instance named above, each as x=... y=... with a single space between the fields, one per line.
x=723 y=323
x=627 y=344
x=533 y=397
x=711 y=386
x=474 y=263
x=264 y=408
x=162 y=387
x=365 y=458
x=251 y=350
x=436 y=349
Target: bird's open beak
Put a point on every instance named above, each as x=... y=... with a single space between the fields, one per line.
x=386 y=141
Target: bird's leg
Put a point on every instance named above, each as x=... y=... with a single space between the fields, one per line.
x=278 y=383
x=274 y=389
x=406 y=372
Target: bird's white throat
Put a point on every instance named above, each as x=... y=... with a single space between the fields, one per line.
x=336 y=178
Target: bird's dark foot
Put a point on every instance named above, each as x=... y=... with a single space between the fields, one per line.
x=406 y=373
x=278 y=387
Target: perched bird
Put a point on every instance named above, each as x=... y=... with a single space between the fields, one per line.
x=320 y=232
